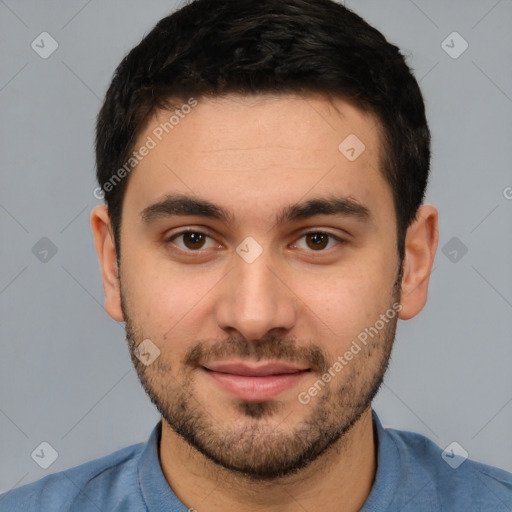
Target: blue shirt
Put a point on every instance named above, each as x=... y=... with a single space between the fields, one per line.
x=411 y=476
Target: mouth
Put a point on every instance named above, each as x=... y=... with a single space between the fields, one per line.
x=255 y=383
x=262 y=370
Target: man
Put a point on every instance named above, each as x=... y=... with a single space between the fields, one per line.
x=264 y=165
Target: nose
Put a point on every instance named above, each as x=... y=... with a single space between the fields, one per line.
x=256 y=298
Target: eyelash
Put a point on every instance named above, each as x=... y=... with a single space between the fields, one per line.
x=171 y=238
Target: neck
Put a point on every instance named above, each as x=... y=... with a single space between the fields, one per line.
x=342 y=476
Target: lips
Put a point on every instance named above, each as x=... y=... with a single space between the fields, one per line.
x=255 y=383
x=254 y=371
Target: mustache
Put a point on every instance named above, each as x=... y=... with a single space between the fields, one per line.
x=271 y=347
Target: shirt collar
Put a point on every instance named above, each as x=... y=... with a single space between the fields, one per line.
x=388 y=470
x=156 y=492
x=159 y=496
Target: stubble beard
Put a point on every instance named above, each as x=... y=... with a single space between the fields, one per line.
x=257 y=446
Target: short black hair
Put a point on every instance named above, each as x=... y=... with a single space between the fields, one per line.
x=211 y=48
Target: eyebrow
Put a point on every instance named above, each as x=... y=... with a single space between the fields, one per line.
x=182 y=205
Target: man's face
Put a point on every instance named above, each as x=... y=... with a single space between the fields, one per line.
x=261 y=287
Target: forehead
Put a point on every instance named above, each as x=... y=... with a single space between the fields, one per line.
x=239 y=151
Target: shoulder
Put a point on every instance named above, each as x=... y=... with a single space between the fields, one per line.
x=458 y=481
x=86 y=487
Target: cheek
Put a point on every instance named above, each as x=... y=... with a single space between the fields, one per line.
x=164 y=295
x=347 y=300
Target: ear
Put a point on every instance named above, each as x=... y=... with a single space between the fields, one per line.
x=105 y=247
x=420 y=248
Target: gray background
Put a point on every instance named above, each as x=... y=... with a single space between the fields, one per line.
x=65 y=373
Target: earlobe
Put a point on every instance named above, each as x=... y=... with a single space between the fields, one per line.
x=420 y=249
x=106 y=250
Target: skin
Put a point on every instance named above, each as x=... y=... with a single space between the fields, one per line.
x=294 y=302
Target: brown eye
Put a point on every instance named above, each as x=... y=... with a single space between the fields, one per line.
x=193 y=240
x=317 y=241
x=190 y=240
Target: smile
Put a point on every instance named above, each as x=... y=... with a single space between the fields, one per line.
x=256 y=383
